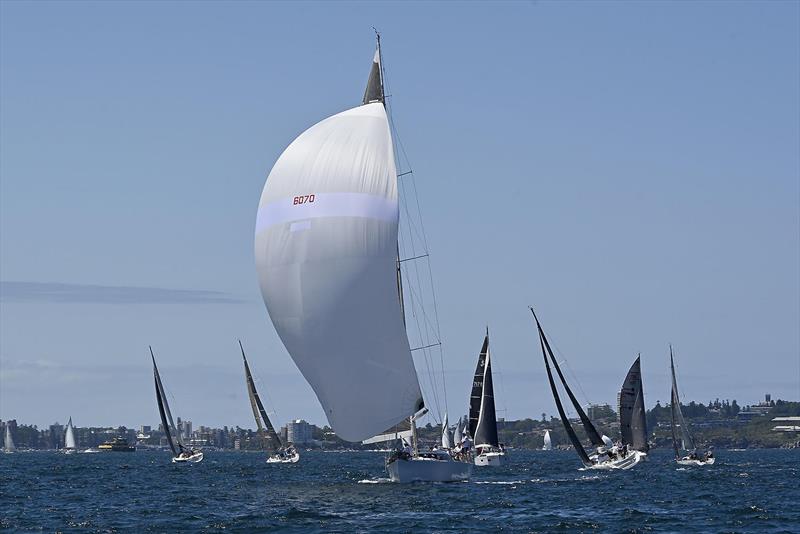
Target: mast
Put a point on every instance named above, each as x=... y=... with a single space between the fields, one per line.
x=267 y=430
x=163 y=411
x=576 y=443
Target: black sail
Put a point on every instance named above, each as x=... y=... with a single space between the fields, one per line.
x=573 y=438
x=163 y=409
x=632 y=421
x=271 y=439
x=486 y=429
x=477 y=389
x=591 y=431
x=374 y=90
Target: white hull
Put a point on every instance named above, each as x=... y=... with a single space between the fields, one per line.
x=491 y=459
x=428 y=470
x=193 y=459
x=293 y=459
x=629 y=461
x=689 y=461
x=69 y=451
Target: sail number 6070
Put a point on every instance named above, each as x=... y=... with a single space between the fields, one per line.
x=302 y=199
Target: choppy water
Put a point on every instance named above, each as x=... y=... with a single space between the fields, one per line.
x=747 y=491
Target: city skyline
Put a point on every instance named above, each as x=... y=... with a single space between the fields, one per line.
x=635 y=195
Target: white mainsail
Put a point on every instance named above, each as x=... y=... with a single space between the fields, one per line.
x=548 y=442
x=326 y=255
x=457 y=435
x=9 y=441
x=69 y=439
x=447 y=439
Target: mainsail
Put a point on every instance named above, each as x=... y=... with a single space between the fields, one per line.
x=477 y=388
x=447 y=438
x=457 y=436
x=9 y=446
x=326 y=254
x=265 y=429
x=485 y=430
x=69 y=439
x=573 y=437
x=173 y=436
x=632 y=421
x=677 y=414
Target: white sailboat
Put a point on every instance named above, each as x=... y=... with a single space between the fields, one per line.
x=604 y=455
x=482 y=415
x=180 y=452
x=548 y=442
x=280 y=453
x=677 y=421
x=69 y=439
x=326 y=248
x=8 y=444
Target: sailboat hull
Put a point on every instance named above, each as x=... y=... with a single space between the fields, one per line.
x=193 y=459
x=495 y=459
x=428 y=470
x=293 y=459
x=627 y=462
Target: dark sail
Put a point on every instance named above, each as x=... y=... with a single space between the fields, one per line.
x=677 y=415
x=591 y=431
x=271 y=439
x=163 y=409
x=477 y=389
x=573 y=438
x=374 y=90
x=632 y=422
x=486 y=429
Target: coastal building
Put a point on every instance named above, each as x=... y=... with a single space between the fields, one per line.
x=298 y=432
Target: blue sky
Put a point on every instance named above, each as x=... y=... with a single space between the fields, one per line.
x=630 y=169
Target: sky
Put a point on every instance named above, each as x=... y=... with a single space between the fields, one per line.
x=632 y=170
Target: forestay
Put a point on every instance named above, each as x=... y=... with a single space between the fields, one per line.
x=326 y=254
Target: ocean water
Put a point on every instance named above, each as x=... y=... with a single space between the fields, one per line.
x=746 y=491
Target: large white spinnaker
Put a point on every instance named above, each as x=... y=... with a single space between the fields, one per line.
x=326 y=255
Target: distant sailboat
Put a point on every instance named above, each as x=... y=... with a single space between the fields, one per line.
x=69 y=439
x=604 y=457
x=482 y=415
x=447 y=436
x=272 y=442
x=180 y=452
x=548 y=443
x=9 y=446
x=677 y=421
x=326 y=248
x=632 y=420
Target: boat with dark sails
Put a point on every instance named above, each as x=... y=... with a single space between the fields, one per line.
x=279 y=453
x=605 y=455
x=678 y=425
x=181 y=453
x=632 y=417
x=482 y=415
x=327 y=255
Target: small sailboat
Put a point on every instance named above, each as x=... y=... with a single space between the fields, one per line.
x=548 y=442
x=327 y=255
x=447 y=435
x=272 y=442
x=632 y=420
x=678 y=422
x=69 y=439
x=180 y=452
x=482 y=415
x=605 y=456
x=8 y=445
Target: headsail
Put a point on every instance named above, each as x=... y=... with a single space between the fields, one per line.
x=486 y=429
x=173 y=436
x=632 y=421
x=69 y=438
x=447 y=438
x=573 y=438
x=265 y=429
x=326 y=255
x=677 y=414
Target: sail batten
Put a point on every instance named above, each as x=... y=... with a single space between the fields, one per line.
x=326 y=255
